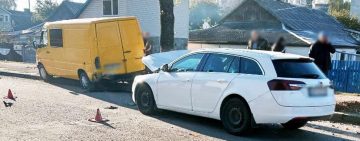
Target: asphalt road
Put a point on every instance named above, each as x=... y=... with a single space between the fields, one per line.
x=60 y=110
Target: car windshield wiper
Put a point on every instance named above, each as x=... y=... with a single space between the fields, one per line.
x=309 y=76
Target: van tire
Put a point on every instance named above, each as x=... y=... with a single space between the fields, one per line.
x=43 y=73
x=236 y=117
x=294 y=124
x=145 y=100
x=86 y=83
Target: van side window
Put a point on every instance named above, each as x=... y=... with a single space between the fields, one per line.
x=218 y=63
x=249 y=66
x=43 y=39
x=56 y=38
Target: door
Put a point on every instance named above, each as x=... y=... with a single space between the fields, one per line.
x=209 y=84
x=110 y=49
x=57 y=52
x=133 y=45
x=43 y=53
x=174 y=87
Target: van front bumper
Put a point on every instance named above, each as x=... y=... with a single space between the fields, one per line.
x=266 y=110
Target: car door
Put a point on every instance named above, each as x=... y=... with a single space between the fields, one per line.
x=174 y=87
x=57 y=52
x=209 y=84
x=43 y=52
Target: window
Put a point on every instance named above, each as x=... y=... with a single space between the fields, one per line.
x=43 y=39
x=56 y=39
x=235 y=66
x=6 y=18
x=110 y=7
x=218 y=63
x=1 y=18
x=249 y=66
x=187 y=64
x=297 y=69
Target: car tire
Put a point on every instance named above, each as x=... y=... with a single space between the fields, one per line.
x=86 y=83
x=145 y=100
x=43 y=74
x=236 y=116
x=294 y=124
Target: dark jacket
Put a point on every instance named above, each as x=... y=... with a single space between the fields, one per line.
x=321 y=53
x=278 y=46
x=148 y=46
x=262 y=44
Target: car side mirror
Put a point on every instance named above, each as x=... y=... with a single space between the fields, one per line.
x=165 y=68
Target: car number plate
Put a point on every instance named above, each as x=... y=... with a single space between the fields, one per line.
x=317 y=91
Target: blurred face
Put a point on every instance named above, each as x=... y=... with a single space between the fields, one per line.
x=323 y=39
x=146 y=35
x=283 y=43
x=254 y=35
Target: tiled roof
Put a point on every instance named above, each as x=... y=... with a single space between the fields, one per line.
x=21 y=19
x=301 y=24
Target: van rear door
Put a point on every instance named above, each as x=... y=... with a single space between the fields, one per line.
x=133 y=45
x=110 y=49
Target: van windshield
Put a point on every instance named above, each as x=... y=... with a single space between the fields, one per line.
x=298 y=69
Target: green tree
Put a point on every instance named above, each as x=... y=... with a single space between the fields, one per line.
x=341 y=11
x=167 y=21
x=8 y=4
x=204 y=11
x=43 y=9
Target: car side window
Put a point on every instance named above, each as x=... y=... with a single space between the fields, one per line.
x=249 y=66
x=56 y=38
x=218 y=63
x=43 y=39
x=235 y=66
x=187 y=64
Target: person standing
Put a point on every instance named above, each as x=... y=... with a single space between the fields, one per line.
x=279 y=45
x=321 y=50
x=148 y=44
x=257 y=43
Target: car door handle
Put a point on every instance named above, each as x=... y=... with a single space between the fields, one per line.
x=221 y=80
x=186 y=80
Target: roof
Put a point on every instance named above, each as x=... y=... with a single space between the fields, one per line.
x=300 y=22
x=60 y=12
x=88 y=20
x=21 y=19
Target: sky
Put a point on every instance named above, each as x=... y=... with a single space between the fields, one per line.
x=21 y=4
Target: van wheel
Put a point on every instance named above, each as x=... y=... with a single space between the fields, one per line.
x=294 y=124
x=236 y=117
x=85 y=82
x=145 y=100
x=43 y=74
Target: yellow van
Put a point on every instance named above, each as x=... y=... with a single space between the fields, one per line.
x=91 y=50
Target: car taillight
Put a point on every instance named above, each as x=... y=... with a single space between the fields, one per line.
x=285 y=85
x=332 y=85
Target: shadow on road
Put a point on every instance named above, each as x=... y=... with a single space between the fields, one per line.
x=203 y=126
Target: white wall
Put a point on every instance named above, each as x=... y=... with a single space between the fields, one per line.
x=294 y=50
x=5 y=26
x=148 y=14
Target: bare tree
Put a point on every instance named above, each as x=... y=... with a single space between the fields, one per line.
x=8 y=4
x=167 y=20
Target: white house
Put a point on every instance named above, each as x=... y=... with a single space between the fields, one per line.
x=148 y=14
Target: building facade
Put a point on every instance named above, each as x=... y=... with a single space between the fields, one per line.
x=148 y=14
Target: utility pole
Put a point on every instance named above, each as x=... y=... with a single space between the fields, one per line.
x=29 y=5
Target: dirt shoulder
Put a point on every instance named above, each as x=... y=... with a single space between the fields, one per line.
x=19 y=67
x=349 y=103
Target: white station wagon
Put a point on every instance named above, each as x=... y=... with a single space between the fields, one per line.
x=241 y=88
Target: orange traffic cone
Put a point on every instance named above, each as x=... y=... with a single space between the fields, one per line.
x=98 y=118
x=10 y=95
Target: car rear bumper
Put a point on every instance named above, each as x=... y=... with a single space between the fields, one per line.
x=266 y=110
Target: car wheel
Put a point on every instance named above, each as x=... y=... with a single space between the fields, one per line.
x=294 y=124
x=145 y=100
x=44 y=75
x=85 y=82
x=236 y=116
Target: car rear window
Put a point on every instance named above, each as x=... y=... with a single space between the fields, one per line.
x=298 y=69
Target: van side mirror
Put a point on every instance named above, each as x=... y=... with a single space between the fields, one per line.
x=165 y=68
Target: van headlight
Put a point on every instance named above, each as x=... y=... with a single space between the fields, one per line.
x=112 y=66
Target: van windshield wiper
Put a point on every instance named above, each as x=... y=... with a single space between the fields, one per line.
x=314 y=76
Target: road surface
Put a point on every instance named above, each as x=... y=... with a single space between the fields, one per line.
x=60 y=110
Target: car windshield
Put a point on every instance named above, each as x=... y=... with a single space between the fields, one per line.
x=298 y=69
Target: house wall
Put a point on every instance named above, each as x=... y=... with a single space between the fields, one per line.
x=5 y=25
x=299 y=50
x=148 y=14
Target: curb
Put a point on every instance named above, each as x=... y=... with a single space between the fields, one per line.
x=27 y=76
x=346 y=117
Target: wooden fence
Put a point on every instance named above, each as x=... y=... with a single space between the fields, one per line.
x=345 y=76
